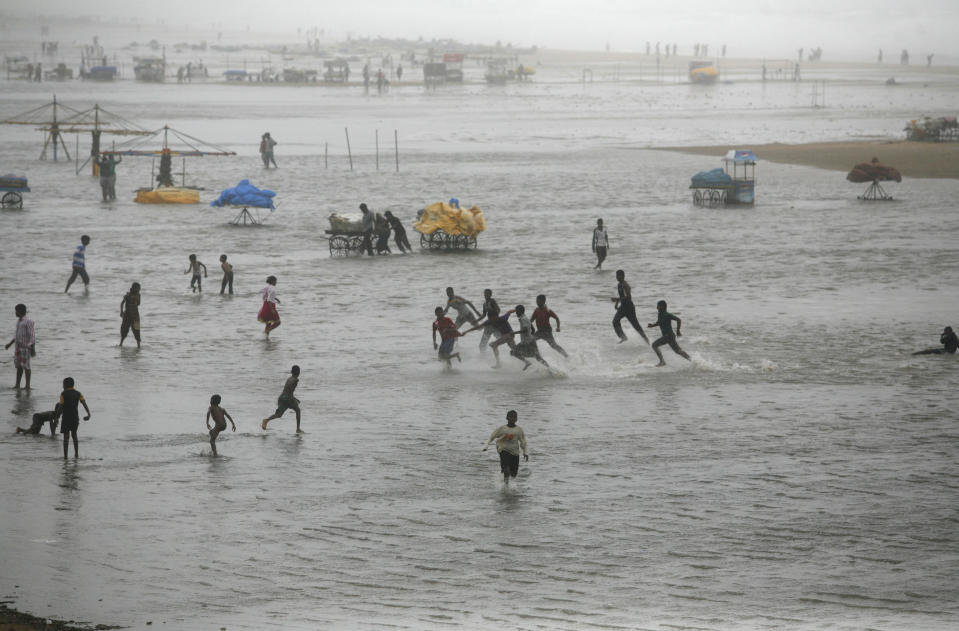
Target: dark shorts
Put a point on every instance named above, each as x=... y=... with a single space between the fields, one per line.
x=508 y=463
x=69 y=424
x=283 y=404
x=544 y=334
x=600 y=252
x=527 y=349
x=667 y=339
x=446 y=346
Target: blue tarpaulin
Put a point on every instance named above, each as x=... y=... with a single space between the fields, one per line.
x=245 y=194
x=714 y=177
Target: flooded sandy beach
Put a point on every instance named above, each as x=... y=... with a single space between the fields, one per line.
x=798 y=473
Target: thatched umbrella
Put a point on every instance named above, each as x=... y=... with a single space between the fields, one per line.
x=874 y=172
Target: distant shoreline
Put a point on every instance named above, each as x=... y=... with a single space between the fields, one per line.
x=913 y=159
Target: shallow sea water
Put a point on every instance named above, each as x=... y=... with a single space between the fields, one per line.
x=800 y=472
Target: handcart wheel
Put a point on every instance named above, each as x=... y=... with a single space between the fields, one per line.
x=356 y=246
x=338 y=246
x=425 y=240
x=698 y=197
x=12 y=199
x=722 y=198
x=714 y=198
x=471 y=244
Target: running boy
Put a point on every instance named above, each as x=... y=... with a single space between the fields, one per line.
x=624 y=308
x=448 y=334
x=510 y=439
x=527 y=343
x=666 y=328
x=195 y=283
x=70 y=399
x=541 y=328
x=286 y=400
x=462 y=307
x=219 y=423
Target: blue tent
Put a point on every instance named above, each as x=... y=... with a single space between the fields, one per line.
x=247 y=195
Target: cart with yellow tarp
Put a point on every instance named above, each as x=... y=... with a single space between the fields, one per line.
x=447 y=226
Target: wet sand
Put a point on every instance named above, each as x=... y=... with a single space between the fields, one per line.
x=13 y=620
x=913 y=159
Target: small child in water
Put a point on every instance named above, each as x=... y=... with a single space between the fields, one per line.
x=227 y=274
x=195 y=265
x=39 y=420
x=219 y=422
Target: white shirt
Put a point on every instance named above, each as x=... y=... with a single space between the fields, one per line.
x=525 y=330
x=509 y=439
x=269 y=294
x=600 y=239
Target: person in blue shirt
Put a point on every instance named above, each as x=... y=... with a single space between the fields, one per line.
x=79 y=264
x=664 y=322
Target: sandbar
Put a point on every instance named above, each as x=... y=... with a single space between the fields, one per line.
x=912 y=158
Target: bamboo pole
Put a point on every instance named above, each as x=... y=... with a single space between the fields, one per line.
x=349 y=152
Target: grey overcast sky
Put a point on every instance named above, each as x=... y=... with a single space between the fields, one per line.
x=755 y=27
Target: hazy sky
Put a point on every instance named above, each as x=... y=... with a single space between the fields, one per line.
x=768 y=27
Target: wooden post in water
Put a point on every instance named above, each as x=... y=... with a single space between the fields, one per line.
x=326 y=155
x=396 y=145
x=377 y=136
x=348 y=151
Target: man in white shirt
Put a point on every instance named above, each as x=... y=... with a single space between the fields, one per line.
x=510 y=440
x=600 y=243
x=527 y=341
x=24 y=340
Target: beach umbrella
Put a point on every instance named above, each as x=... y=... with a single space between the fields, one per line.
x=874 y=172
x=244 y=195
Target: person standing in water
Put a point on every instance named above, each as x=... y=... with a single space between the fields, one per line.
x=108 y=175
x=130 y=314
x=510 y=442
x=227 y=275
x=24 y=340
x=664 y=322
x=600 y=243
x=268 y=313
x=625 y=308
x=266 y=150
x=369 y=225
x=79 y=264
x=219 y=421
x=948 y=339
x=196 y=283
x=70 y=399
x=286 y=400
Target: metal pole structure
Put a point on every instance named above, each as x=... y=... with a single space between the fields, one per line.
x=377 y=149
x=396 y=145
x=348 y=151
x=77 y=161
x=326 y=155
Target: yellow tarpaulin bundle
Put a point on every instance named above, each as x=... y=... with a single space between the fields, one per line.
x=168 y=195
x=451 y=220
